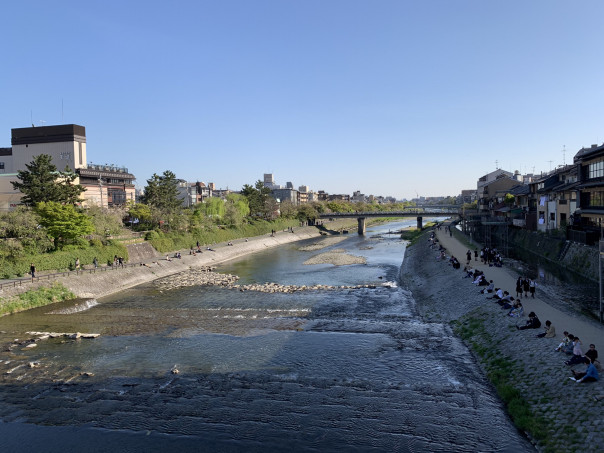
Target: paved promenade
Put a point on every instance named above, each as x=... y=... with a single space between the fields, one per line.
x=570 y=414
x=590 y=331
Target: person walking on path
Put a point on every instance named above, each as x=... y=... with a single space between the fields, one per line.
x=77 y=264
x=32 y=271
x=95 y=262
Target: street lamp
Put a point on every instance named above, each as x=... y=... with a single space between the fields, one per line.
x=101 y=190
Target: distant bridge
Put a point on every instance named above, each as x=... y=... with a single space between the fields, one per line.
x=428 y=211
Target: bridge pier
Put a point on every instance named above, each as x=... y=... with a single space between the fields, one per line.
x=419 y=223
x=361 y=222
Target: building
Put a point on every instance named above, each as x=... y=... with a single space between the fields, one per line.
x=269 y=181
x=590 y=188
x=286 y=194
x=192 y=193
x=106 y=185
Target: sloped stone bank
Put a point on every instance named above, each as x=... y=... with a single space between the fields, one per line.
x=559 y=414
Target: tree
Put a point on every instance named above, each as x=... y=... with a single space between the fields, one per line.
x=237 y=209
x=142 y=212
x=20 y=231
x=307 y=213
x=41 y=182
x=213 y=207
x=161 y=192
x=288 y=209
x=257 y=197
x=64 y=223
x=106 y=221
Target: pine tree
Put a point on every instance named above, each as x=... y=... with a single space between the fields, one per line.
x=43 y=182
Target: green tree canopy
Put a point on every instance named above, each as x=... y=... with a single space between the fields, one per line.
x=64 y=223
x=236 y=209
x=213 y=207
x=22 y=227
x=142 y=212
x=161 y=192
x=41 y=182
x=258 y=199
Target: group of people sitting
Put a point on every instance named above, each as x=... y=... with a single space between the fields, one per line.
x=570 y=344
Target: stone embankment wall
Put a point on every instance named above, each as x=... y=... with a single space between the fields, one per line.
x=579 y=258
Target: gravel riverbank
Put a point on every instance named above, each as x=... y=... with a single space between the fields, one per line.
x=560 y=415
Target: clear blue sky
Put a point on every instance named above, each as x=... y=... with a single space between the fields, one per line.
x=389 y=97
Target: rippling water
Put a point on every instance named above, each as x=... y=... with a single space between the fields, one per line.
x=344 y=370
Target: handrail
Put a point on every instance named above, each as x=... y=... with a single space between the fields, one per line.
x=93 y=270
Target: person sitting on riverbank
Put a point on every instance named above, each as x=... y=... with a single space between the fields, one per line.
x=505 y=299
x=168 y=258
x=577 y=353
x=590 y=374
x=479 y=276
x=550 y=330
x=489 y=288
x=564 y=342
x=591 y=355
x=532 y=323
x=508 y=304
x=517 y=311
x=568 y=348
x=498 y=294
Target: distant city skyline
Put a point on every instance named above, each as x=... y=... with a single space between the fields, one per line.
x=395 y=98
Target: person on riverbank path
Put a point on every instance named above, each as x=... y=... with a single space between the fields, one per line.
x=32 y=271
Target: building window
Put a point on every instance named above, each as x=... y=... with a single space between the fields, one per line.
x=596 y=198
x=596 y=169
x=1 y=165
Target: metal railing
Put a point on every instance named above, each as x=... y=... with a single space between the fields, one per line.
x=28 y=280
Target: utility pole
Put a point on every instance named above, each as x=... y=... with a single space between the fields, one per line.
x=101 y=190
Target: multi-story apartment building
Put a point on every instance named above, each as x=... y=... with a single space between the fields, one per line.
x=590 y=187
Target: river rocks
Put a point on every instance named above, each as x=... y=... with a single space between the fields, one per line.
x=204 y=276
x=207 y=277
x=72 y=336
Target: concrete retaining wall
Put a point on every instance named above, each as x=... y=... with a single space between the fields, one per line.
x=105 y=283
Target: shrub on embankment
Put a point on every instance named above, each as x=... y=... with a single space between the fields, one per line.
x=35 y=298
x=61 y=260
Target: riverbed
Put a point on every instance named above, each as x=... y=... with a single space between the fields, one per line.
x=217 y=369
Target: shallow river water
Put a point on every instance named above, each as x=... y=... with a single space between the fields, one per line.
x=332 y=370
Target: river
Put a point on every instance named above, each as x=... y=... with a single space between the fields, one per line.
x=330 y=370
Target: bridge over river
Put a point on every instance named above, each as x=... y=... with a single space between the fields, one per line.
x=432 y=211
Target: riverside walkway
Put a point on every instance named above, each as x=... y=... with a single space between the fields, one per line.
x=569 y=415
